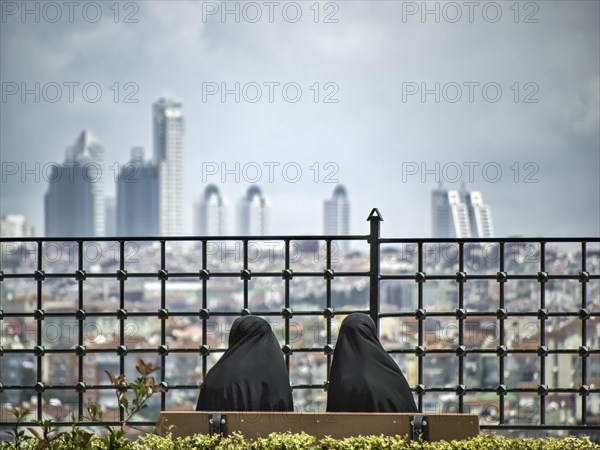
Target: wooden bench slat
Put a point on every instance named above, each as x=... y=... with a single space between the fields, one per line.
x=336 y=425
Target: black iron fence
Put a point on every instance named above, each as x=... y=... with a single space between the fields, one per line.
x=428 y=331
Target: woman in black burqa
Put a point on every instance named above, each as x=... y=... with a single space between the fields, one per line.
x=251 y=375
x=364 y=377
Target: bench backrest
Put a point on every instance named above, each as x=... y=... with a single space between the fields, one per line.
x=433 y=427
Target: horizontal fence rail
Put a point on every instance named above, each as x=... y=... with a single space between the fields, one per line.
x=398 y=271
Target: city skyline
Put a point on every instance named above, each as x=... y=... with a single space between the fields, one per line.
x=174 y=165
x=463 y=213
x=380 y=133
x=139 y=207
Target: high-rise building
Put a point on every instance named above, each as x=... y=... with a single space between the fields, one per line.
x=74 y=202
x=15 y=225
x=167 y=125
x=480 y=215
x=336 y=215
x=450 y=216
x=210 y=213
x=459 y=214
x=253 y=213
x=138 y=197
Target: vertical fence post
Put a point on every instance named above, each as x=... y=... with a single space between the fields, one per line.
x=375 y=219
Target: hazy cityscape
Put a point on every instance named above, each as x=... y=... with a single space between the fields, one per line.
x=149 y=196
x=139 y=211
x=167 y=167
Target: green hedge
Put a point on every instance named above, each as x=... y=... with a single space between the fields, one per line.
x=302 y=441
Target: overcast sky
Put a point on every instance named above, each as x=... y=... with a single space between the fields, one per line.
x=542 y=129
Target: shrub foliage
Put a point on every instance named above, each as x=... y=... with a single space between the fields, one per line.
x=301 y=441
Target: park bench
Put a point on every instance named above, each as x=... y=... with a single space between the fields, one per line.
x=432 y=427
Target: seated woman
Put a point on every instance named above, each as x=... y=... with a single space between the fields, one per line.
x=251 y=375
x=364 y=377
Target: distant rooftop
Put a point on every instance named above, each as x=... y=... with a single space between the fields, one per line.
x=340 y=191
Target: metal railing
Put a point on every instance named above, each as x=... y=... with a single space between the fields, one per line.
x=537 y=388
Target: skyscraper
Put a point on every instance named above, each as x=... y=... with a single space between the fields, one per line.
x=167 y=125
x=336 y=215
x=210 y=213
x=74 y=202
x=450 y=216
x=459 y=214
x=138 y=197
x=253 y=213
x=480 y=215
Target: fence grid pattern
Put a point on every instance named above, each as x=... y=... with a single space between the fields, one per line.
x=375 y=277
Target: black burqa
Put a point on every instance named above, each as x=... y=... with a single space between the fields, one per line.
x=251 y=375
x=364 y=377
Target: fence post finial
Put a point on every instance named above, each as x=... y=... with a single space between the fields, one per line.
x=375 y=214
x=375 y=219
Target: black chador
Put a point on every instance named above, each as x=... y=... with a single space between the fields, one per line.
x=251 y=375
x=364 y=377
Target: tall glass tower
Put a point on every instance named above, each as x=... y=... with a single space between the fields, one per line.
x=74 y=202
x=253 y=213
x=167 y=126
x=137 y=197
x=210 y=214
x=336 y=215
x=460 y=214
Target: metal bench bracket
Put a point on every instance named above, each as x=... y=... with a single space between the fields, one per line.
x=217 y=424
x=419 y=427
